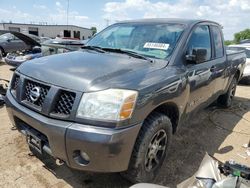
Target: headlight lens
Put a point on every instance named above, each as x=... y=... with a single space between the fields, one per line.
x=111 y=104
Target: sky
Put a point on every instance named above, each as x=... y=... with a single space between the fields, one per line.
x=233 y=15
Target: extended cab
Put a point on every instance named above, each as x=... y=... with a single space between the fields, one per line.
x=114 y=105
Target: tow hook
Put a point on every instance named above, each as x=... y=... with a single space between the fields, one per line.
x=59 y=162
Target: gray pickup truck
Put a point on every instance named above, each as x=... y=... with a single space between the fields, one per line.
x=114 y=105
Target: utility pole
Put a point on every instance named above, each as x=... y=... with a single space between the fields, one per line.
x=68 y=16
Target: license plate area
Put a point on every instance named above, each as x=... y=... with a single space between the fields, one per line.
x=34 y=141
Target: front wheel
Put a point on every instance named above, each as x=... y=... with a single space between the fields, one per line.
x=226 y=99
x=150 y=148
x=1 y=54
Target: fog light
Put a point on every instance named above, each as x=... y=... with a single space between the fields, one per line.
x=81 y=157
x=84 y=156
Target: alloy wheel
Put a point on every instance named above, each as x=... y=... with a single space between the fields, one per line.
x=156 y=150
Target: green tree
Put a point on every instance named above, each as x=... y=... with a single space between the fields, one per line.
x=228 y=42
x=245 y=34
x=94 y=30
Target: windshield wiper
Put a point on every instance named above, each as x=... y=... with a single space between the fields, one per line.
x=95 y=48
x=128 y=52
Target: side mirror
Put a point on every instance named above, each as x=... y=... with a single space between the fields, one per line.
x=197 y=55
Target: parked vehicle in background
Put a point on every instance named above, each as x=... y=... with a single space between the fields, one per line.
x=68 y=43
x=245 y=41
x=19 y=55
x=243 y=47
x=34 y=37
x=115 y=105
x=47 y=48
x=84 y=41
x=51 y=49
x=67 y=38
x=10 y=43
x=43 y=39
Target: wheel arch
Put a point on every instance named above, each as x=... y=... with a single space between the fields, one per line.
x=237 y=74
x=171 y=110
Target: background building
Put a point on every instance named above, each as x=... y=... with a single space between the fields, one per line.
x=51 y=31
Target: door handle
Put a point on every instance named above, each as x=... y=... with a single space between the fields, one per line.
x=213 y=68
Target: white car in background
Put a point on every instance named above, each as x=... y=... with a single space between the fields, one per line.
x=246 y=48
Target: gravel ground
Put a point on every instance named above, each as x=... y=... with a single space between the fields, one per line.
x=219 y=132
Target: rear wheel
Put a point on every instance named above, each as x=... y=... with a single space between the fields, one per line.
x=150 y=148
x=245 y=80
x=226 y=99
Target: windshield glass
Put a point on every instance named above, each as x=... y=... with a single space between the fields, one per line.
x=6 y=36
x=247 y=50
x=152 y=40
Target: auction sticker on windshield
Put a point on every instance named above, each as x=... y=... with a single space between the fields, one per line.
x=154 y=45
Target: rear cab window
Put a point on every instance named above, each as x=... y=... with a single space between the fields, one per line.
x=218 y=42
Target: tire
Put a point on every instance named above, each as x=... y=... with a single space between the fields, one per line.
x=245 y=80
x=226 y=99
x=1 y=54
x=150 y=149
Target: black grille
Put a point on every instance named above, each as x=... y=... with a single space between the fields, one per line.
x=43 y=92
x=64 y=103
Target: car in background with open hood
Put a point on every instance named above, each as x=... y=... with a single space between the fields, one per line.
x=25 y=47
x=14 y=41
x=37 y=50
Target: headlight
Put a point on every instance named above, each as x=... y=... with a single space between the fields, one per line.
x=111 y=104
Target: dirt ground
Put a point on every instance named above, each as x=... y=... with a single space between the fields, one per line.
x=219 y=132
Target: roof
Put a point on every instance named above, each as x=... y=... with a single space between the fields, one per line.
x=44 y=25
x=168 y=20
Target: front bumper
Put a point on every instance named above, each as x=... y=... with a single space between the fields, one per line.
x=14 y=63
x=109 y=150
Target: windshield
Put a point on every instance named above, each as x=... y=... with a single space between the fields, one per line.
x=247 y=50
x=152 y=40
x=6 y=36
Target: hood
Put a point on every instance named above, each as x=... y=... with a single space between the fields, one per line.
x=26 y=39
x=88 y=71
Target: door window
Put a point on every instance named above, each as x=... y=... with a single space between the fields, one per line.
x=200 y=39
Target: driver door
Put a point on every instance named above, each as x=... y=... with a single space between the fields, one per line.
x=200 y=71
